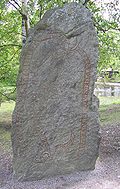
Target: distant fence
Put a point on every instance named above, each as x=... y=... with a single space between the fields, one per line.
x=107 y=89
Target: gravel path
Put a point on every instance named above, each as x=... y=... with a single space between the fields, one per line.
x=105 y=176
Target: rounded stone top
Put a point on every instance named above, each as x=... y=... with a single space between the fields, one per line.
x=67 y=18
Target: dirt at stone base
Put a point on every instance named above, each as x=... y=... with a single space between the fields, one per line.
x=105 y=176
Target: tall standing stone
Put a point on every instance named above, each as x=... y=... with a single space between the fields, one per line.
x=55 y=121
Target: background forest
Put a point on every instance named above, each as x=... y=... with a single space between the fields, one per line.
x=17 y=16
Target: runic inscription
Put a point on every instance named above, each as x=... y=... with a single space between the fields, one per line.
x=85 y=101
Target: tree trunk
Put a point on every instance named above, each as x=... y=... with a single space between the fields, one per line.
x=25 y=21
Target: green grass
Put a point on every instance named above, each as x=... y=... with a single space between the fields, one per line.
x=109 y=100
x=6 y=110
x=109 y=110
x=7 y=107
x=5 y=140
x=109 y=114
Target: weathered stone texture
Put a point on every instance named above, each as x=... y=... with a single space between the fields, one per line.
x=55 y=121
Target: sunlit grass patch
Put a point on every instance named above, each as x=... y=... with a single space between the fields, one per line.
x=6 y=110
x=109 y=110
x=109 y=100
x=5 y=140
x=109 y=114
x=7 y=106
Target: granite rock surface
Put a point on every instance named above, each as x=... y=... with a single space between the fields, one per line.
x=55 y=121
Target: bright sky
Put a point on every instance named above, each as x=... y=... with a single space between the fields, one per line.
x=104 y=3
x=107 y=1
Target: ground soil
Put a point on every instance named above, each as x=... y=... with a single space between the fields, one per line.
x=105 y=176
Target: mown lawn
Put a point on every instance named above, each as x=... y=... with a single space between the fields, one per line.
x=6 y=109
x=109 y=114
x=5 y=125
x=109 y=110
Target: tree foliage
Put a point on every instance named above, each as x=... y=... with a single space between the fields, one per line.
x=108 y=33
x=10 y=45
